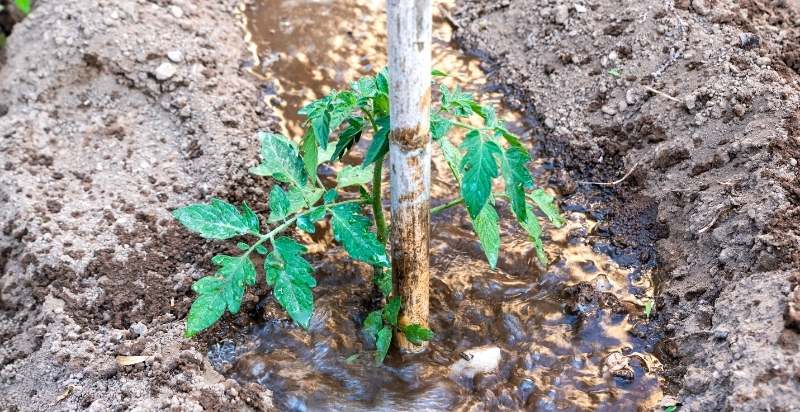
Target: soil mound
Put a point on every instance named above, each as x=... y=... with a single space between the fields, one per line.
x=701 y=101
x=113 y=113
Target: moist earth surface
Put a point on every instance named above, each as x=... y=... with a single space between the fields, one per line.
x=113 y=113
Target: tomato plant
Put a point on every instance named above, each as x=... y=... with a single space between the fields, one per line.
x=299 y=200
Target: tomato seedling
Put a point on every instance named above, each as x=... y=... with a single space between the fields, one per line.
x=300 y=200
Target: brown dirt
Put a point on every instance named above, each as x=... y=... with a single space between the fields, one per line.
x=719 y=167
x=95 y=150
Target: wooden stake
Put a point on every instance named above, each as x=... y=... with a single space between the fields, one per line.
x=409 y=24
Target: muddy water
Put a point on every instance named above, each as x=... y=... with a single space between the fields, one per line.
x=571 y=336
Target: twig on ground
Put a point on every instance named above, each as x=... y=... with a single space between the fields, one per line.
x=720 y=211
x=448 y=17
x=616 y=182
x=660 y=93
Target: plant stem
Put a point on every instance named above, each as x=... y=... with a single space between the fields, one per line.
x=288 y=222
x=377 y=204
x=447 y=205
x=371 y=121
x=466 y=126
x=460 y=200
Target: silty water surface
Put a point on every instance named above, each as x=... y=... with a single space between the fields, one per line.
x=569 y=334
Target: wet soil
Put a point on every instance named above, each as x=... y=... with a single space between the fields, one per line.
x=572 y=335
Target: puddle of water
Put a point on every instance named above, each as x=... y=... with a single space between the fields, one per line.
x=561 y=330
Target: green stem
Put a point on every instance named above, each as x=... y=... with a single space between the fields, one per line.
x=377 y=204
x=371 y=121
x=466 y=126
x=288 y=222
x=447 y=205
x=458 y=201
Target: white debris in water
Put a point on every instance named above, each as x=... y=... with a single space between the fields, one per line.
x=482 y=359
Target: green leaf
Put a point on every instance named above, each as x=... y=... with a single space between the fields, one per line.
x=238 y=271
x=382 y=343
x=306 y=222
x=487 y=227
x=391 y=310
x=321 y=125
x=348 y=137
x=300 y=197
x=439 y=126
x=208 y=284
x=225 y=289
x=487 y=113
x=456 y=102
x=310 y=154
x=382 y=81
x=509 y=137
x=383 y=278
x=23 y=5
x=218 y=220
x=380 y=105
x=365 y=87
x=261 y=250
x=438 y=73
x=547 y=205
x=279 y=205
x=351 y=229
x=648 y=307
x=250 y=218
x=453 y=158
x=534 y=229
x=205 y=311
x=517 y=178
x=479 y=168
x=242 y=246
x=289 y=274
x=373 y=324
x=416 y=333
x=380 y=142
x=329 y=196
x=279 y=159
x=354 y=176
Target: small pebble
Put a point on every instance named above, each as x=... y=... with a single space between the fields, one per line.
x=165 y=71
x=748 y=40
x=562 y=14
x=175 y=56
x=176 y=11
x=700 y=7
x=139 y=329
x=690 y=101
